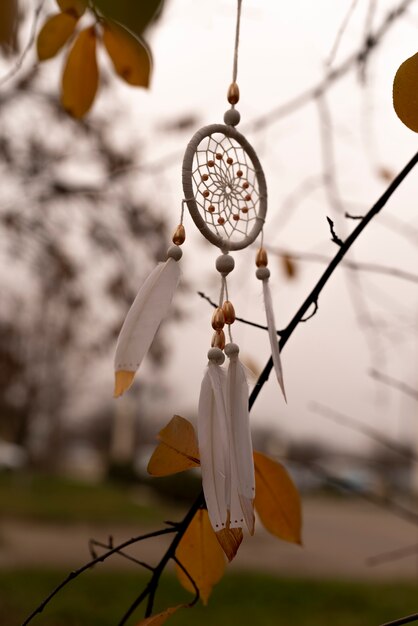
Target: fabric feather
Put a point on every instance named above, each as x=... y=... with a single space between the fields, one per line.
x=271 y=324
x=214 y=446
x=142 y=321
x=242 y=463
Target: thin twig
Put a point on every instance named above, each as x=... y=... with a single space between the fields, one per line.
x=109 y=546
x=195 y=587
x=369 y=431
x=403 y=620
x=392 y=555
x=74 y=574
x=334 y=236
x=238 y=319
x=373 y=268
x=395 y=384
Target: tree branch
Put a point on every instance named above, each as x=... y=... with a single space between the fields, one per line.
x=74 y=574
x=314 y=295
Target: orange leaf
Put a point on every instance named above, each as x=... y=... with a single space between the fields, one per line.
x=289 y=266
x=405 y=93
x=277 y=500
x=161 y=618
x=54 y=34
x=75 y=8
x=81 y=76
x=130 y=56
x=178 y=450
x=230 y=540
x=201 y=555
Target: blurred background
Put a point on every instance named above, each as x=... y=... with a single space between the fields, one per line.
x=87 y=209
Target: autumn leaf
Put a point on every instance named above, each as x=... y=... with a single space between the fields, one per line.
x=177 y=451
x=9 y=18
x=201 y=555
x=161 y=618
x=54 y=34
x=405 y=93
x=136 y=16
x=75 y=8
x=277 y=500
x=81 y=76
x=289 y=266
x=230 y=540
x=130 y=56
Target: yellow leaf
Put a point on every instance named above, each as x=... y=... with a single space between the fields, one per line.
x=129 y=54
x=277 y=500
x=230 y=540
x=405 y=93
x=161 y=618
x=75 y=8
x=54 y=34
x=201 y=555
x=289 y=266
x=81 y=76
x=178 y=450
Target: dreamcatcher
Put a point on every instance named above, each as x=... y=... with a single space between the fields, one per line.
x=226 y=194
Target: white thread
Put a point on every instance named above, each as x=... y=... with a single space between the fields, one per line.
x=221 y=295
x=235 y=70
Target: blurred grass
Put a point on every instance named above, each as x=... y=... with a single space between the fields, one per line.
x=100 y=598
x=45 y=498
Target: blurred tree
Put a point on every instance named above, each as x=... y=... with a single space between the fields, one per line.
x=71 y=215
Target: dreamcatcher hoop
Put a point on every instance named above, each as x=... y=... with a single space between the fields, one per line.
x=230 y=192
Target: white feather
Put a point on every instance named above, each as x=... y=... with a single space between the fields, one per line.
x=242 y=463
x=271 y=324
x=213 y=446
x=145 y=315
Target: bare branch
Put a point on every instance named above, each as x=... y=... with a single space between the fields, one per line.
x=395 y=384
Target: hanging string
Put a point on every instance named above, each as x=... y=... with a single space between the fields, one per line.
x=222 y=292
x=235 y=70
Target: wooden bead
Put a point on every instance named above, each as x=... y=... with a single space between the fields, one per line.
x=225 y=264
x=221 y=220
x=261 y=259
x=247 y=197
x=206 y=193
x=218 y=340
x=179 y=235
x=230 y=160
x=244 y=209
x=240 y=173
x=211 y=163
x=229 y=312
x=205 y=177
x=233 y=93
x=218 y=156
x=245 y=184
x=211 y=209
x=218 y=319
x=235 y=217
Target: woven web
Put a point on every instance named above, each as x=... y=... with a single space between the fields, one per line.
x=225 y=186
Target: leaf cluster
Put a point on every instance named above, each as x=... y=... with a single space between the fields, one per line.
x=82 y=26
